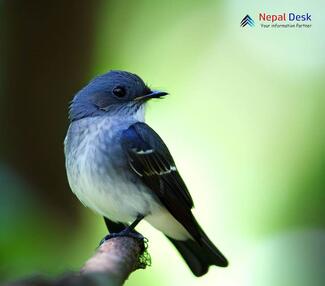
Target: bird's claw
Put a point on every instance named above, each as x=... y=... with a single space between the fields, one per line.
x=126 y=233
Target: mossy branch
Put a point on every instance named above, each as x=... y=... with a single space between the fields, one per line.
x=111 y=265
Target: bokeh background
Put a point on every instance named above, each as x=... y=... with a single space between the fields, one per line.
x=244 y=121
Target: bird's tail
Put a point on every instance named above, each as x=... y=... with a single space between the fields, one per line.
x=199 y=255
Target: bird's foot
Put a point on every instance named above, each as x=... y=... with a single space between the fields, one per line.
x=127 y=233
x=144 y=258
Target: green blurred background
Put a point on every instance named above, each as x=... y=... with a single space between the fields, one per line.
x=244 y=121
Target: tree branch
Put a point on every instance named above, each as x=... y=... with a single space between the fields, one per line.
x=116 y=257
x=111 y=265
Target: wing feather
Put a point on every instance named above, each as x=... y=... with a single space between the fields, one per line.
x=151 y=160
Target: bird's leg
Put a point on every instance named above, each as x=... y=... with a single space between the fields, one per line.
x=128 y=231
x=135 y=223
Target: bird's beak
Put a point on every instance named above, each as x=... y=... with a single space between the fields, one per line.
x=152 y=94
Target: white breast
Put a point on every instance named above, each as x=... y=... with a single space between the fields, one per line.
x=98 y=184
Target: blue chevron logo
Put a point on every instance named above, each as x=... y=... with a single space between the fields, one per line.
x=247 y=20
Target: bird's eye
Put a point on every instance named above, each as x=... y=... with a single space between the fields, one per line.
x=119 y=91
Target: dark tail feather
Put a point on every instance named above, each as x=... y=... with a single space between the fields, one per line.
x=199 y=256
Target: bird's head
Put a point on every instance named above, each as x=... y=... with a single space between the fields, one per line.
x=115 y=91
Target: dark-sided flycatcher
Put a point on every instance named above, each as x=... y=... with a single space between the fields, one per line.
x=120 y=168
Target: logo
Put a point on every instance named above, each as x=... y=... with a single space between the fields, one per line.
x=282 y=20
x=247 y=20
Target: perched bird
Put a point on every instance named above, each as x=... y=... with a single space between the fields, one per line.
x=120 y=168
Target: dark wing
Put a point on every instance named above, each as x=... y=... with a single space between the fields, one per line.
x=151 y=160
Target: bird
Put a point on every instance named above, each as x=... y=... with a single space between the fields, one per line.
x=120 y=168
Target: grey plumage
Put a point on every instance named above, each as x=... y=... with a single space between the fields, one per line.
x=120 y=168
x=99 y=173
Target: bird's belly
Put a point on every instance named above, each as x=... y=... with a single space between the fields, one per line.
x=107 y=190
